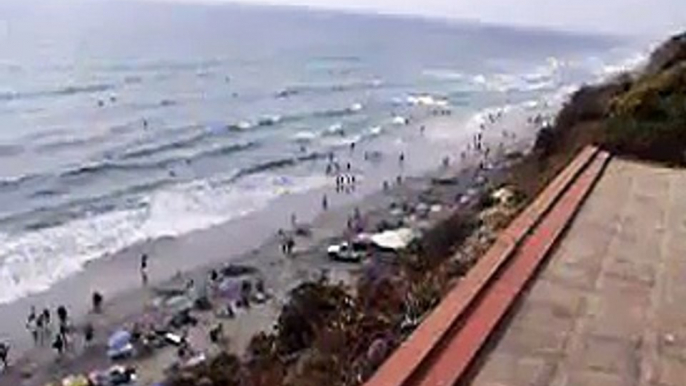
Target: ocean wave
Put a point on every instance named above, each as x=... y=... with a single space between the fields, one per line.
x=426 y=100
x=147 y=151
x=133 y=79
x=444 y=74
x=164 y=66
x=89 y=88
x=62 y=91
x=102 y=167
x=275 y=164
x=73 y=209
x=333 y=113
x=223 y=150
x=272 y=120
x=8 y=95
x=335 y=129
x=64 y=144
x=34 y=260
x=15 y=182
x=10 y=150
x=512 y=82
x=375 y=131
x=328 y=88
x=305 y=136
x=632 y=62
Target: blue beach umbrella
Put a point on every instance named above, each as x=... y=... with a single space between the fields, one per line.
x=119 y=339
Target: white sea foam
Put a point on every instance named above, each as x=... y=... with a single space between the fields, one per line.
x=376 y=130
x=356 y=107
x=445 y=74
x=631 y=63
x=35 y=260
x=426 y=100
x=398 y=120
x=305 y=136
x=336 y=128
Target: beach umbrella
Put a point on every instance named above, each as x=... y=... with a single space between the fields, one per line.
x=230 y=289
x=119 y=339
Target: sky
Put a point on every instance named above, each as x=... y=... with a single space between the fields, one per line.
x=627 y=17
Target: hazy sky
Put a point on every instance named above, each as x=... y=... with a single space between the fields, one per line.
x=655 y=17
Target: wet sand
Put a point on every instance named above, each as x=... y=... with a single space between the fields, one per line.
x=118 y=276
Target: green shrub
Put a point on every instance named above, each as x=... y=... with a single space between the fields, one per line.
x=649 y=121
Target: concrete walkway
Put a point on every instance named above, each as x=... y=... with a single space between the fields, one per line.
x=610 y=306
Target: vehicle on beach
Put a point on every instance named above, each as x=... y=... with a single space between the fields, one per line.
x=348 y=251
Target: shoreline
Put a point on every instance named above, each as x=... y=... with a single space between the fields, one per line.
x=132 y=303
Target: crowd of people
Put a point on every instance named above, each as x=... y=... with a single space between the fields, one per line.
x=44 y=332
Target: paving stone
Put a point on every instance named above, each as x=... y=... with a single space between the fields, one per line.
x=512 y=370
x=593 y=378
x=672 y=372
x=610 y=355
x=610 y=306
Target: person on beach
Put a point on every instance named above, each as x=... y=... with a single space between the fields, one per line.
x=422 y=129
x=58 y=344
x=47 y=325
x=214 y=276
x=40 y=328
x=259 y=286
x=46 y=316
x=88 y=334
x=282 y=241
x=290 y=245
x=144 y=268
x=4 y=355
x=97 y=302
x=190 y=285
x=325 y=203
x=348 y=166
x=401 y=158
x=31 y=325
x=352 y=147
x=216 y=334
x=63 y=318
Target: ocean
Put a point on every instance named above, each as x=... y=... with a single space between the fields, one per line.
x=122 y=122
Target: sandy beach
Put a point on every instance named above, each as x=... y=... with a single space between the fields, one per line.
x=252 y=241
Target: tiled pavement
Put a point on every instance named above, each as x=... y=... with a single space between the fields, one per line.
x=609 y=308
